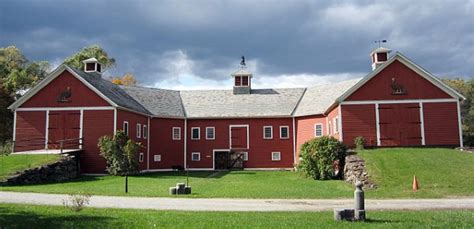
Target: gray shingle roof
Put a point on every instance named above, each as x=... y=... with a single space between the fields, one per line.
x=223 y=103
x=160 y=102
x=111 y=91
x=319 y=98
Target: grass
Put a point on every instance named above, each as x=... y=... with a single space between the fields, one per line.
x=441 y=173
x=24 y=216
x=10 y=164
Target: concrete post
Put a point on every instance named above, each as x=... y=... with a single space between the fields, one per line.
x=359 y=202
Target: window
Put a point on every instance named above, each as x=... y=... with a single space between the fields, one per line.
x=195 y=133
x=195 y=156
x=245 y=156
x=245 y=80
x=336 y=124
x=238 y=81
x=145 y=131
x=210 y=133
x=125 y=128
x=176 y=133
x=329 y=128
x=139 y=130
x=284 y=132
x=276 y=156
x=157 y=158
x=318 y=130
x=141 y=157
x=267 y=132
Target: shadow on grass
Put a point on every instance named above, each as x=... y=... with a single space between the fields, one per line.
x=13 y=218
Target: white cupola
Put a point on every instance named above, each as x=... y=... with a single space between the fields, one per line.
x=92 y=65
x=242 y=79
x=379 y=56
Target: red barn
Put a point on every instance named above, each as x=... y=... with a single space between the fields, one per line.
x=397 y=104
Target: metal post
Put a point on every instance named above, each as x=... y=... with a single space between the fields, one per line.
x=359 y=213
x=126 y=183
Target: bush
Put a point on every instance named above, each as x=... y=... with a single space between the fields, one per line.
x=322 y=158
x=6 y=148
x=120 y=154
x=77 y=201
x=359 y=142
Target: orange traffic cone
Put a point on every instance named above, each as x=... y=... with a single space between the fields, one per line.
x=415 y=184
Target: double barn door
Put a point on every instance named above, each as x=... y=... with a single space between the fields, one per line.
x=64 y=125
x=400 y=124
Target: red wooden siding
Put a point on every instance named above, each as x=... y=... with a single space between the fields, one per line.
x=379 y=87
x=96 y=124
x=133 y=119
x=305 y=129
x=400 y=124
x=260 y=152
x=162 y=143
x=359 y=120
x=81 y=95
x=238 y=137
x=441 y=124
x=63 y=125
x=30 y=130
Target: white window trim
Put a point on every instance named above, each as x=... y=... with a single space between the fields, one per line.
x=287 y=132
x=157 y=158
x=271 y=132
x=125 y=130
x=213 y=133
x=245 y=156
x=330 y=128
x=322 y=129
x=179 y=133
x=196 y=153
x=141 y=157
x=145 y=132
x=336 y=124
x=279 y=156
x=192 y=133
x=139 y=130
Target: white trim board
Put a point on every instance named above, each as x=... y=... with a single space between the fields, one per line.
x=422 y=124
x=398 y=101
x=63 y=108
x=461 y=143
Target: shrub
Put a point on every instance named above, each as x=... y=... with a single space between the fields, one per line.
x=120 y=154
x=322 y=158
x=77 y=201
x=6 y=148
x=359 y=142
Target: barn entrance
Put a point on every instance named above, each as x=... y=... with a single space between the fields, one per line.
x=400 y=124
x=64 y=126
x=226 y=159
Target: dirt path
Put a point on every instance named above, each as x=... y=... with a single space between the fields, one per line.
x=194 y=204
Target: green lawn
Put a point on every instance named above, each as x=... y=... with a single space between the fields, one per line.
x=441 y=173
x=13 y=163
x=24 y=216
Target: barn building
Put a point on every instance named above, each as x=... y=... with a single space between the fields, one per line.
x=397 y=104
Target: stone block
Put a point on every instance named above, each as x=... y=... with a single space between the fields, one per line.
x=173 y=191
x=187 y=190
x=359 y=215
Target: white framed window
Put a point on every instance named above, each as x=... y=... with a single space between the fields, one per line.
x=195 y=133
x=336 y=124
x=210 y=133
x=176 y=134
x=157 y=158
x=267 y=132
x=125 y=127
x=245 y=156
x=318 y=130
x=276 y=156
x=195 y=156
x=145 y=131
x=141 y=157
x=284 y=132
x=139 y=130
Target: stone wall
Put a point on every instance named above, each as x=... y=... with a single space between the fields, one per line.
x=354 y=171
x=64 y=169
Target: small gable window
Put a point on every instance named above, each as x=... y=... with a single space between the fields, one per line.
x=195 y=156
x=210 y=135
x=267 y=132
x=125 y=128
x=145 y=131
x=284 y=132
x=195 y=133
x=176 y=133
x=139 y=130
x=318 y=130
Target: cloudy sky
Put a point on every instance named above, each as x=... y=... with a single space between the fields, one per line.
x=197 y=44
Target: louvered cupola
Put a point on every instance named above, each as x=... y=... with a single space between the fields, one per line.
x=379 y=56
x=242 y=79
x=92 y=65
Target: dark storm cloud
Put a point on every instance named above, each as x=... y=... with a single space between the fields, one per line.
x=158 y=40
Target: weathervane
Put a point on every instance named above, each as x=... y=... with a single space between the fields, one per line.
x=242 y=62
x=380 y=42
